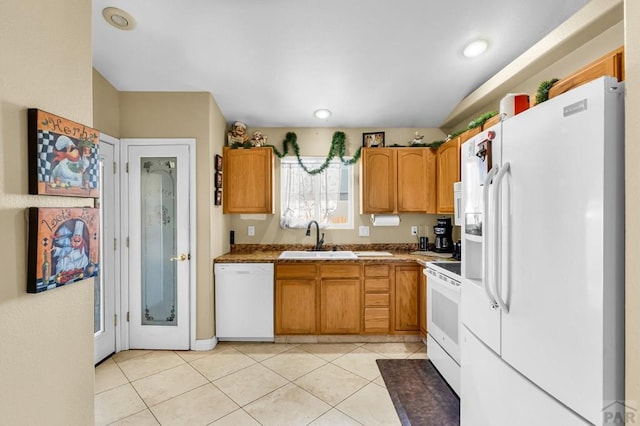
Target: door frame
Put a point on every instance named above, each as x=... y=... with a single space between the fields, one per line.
x=124 y=228
x=117 y=272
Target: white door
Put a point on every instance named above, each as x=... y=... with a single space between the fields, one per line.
x=104 y=321
x=159 y=257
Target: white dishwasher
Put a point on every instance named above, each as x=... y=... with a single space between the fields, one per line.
x=244 y=301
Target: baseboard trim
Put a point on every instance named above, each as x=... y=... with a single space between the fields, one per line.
x=205 y=344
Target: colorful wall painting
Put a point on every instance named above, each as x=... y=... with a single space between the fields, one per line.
x=63 y=156
x=64 y=246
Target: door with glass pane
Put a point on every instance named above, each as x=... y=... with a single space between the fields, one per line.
x=159 y=258
x=104 y=318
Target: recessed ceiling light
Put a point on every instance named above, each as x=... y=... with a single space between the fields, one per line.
x=118 y=18
x=322 y=114
x=475 y=48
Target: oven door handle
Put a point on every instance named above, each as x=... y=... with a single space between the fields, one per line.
x=485 y=235
x=497 y=230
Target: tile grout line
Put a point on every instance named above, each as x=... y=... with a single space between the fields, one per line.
x=237 y=348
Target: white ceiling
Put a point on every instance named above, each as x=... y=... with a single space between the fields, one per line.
x=373 y=63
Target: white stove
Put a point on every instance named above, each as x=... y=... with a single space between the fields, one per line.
x=444 y=319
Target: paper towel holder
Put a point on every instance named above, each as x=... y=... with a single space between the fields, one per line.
x=385 y=220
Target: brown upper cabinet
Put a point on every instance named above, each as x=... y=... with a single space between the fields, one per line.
x=247 y=180
x=448 y=172
x=398 y=180
x=448 y=169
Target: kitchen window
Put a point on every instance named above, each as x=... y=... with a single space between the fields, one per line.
x=326 y=197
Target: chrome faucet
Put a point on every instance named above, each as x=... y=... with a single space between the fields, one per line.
x=319 y=241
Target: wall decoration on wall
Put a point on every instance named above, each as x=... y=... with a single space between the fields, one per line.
x=64 y=246
x=217 y=200
x=63 y=156
x=373 y=140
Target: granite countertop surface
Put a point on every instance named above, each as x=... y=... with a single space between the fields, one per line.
x=268 y=253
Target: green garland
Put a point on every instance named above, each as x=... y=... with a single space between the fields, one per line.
x=479 y=121
x=338 y=146
x=542 y=95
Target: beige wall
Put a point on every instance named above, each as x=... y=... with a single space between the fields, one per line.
x=632 y=51
x=106 y=106
x=46 y=349
x=220 y=223
x=316 y=142
x=187 y=115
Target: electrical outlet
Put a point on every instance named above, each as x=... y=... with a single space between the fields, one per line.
x=414 y=230
x=251 y=230
x=363 y=231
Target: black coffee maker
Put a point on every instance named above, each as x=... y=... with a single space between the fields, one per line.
x=443 y=236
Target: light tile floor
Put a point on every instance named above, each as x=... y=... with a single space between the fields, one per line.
x=240 y=383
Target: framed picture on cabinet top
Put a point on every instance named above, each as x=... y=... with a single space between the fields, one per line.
x=373 y=140
x=218 y=163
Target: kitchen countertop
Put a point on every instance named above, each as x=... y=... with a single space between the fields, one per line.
x=268 y=253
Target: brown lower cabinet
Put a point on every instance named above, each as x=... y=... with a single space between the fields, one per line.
x=377 y=298
x=407 y=300
x=340 y=297
x=423 y=305
x=295 y=302
x=347 y=298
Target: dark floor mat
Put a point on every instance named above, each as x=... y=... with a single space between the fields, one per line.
x=419 y=393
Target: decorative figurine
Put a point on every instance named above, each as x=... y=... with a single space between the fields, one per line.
x=258 y=139
x=238 y=134
x=417 y=139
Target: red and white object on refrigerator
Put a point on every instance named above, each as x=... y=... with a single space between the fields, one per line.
x=543 y=264
x=513 y=104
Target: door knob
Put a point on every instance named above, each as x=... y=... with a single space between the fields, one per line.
x=180 y=258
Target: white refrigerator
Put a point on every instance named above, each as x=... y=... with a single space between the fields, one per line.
x=543 y=263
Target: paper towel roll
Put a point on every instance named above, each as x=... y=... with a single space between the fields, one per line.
x=385 y=219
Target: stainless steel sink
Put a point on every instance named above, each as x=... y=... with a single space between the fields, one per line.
x=317 y=255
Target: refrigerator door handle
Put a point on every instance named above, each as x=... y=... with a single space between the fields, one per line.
x=485 y=235
x=497 y=282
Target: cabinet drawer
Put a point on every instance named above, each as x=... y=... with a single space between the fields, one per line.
x=376 y=270
x=376 y=320
x=340 y=271
x=376 y=284
x=305 y=270
x=376 y=299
